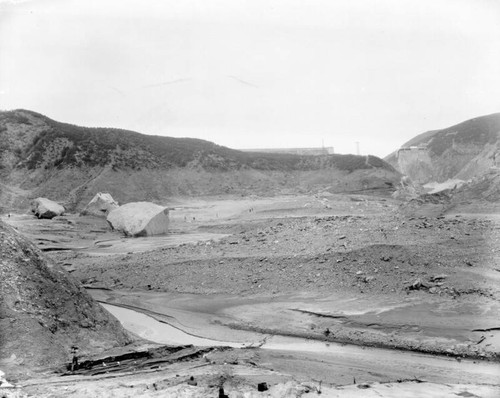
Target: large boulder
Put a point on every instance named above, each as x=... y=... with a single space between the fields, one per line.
x=140 y=219
x=46 y=208
x=100 y=206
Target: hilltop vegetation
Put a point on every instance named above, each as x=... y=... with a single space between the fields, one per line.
x=70 y=163
x=71 y=145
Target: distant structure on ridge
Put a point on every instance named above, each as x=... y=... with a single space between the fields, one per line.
x=296 y=151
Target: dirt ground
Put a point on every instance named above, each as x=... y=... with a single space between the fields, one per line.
x=346 y=269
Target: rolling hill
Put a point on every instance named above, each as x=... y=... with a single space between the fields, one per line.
x=68 y=163
x=463 y=151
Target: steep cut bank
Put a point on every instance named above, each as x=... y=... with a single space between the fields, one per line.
x=464 y=151
x=44 y=311
x=67 y=163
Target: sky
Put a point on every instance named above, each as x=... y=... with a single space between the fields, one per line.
x=255 y=73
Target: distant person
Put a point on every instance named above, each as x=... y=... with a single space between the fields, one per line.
x=74 y=361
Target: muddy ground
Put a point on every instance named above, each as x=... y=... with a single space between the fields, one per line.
x=346 y=269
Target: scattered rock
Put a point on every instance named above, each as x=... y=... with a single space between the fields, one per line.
x=262 y=387
x=417 y=285
x=100 y=206
x=46 y=208
x=437 y=278
x=140 y=219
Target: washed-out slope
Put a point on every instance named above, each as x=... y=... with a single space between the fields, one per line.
x=463 y=151
x=44 y=311
x=69 y=163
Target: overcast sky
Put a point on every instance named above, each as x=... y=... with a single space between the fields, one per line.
x=256 y=73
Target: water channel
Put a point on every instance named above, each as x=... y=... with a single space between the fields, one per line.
x=384 y=361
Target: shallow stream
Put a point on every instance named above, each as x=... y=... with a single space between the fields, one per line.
x=383 y=361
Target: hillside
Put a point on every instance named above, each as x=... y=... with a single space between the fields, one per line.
x=463 y=151
x=43 y=157
x=44 y=312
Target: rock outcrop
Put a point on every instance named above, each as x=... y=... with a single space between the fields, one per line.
x=100 y=206
x=46 y=208
x=140 y=219
x=44 y=311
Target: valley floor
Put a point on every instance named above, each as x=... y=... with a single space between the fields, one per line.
x=342 y=271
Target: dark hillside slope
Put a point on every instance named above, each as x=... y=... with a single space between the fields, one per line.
x=43 y=311
x=463 y=151
x=40 y=156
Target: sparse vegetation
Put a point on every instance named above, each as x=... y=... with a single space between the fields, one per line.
x=125 y=149
x=476 y=132
x=59 y=160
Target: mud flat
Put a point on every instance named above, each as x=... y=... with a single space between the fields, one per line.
x=445 y=327
x=289 y=366
x=390 y=364
x=334 y=288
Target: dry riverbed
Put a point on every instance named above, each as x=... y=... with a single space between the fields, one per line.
x=333 y=269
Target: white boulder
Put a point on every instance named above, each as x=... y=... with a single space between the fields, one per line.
x=139 y=219
x=46 y=208
x=100 y=206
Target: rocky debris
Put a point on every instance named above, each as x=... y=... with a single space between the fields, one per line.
x=434 y=205
x=140 y=219
x=12 y=392
x=407 y=189
x=9 y=390
x=125 y=359
x=46 y=208
x=304 y=254
x=438 y=278
x=44 y=311
x=262 y=387
x=289 y=254
x=434 y=284
x=486 y=187
x=3 y=381
x=100 y=206
x=417 y=285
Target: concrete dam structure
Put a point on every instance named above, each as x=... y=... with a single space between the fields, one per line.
x=416 y=163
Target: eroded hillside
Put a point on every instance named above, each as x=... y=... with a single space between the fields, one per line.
x=42 y=157
x=463 y=151
x=44 y=312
